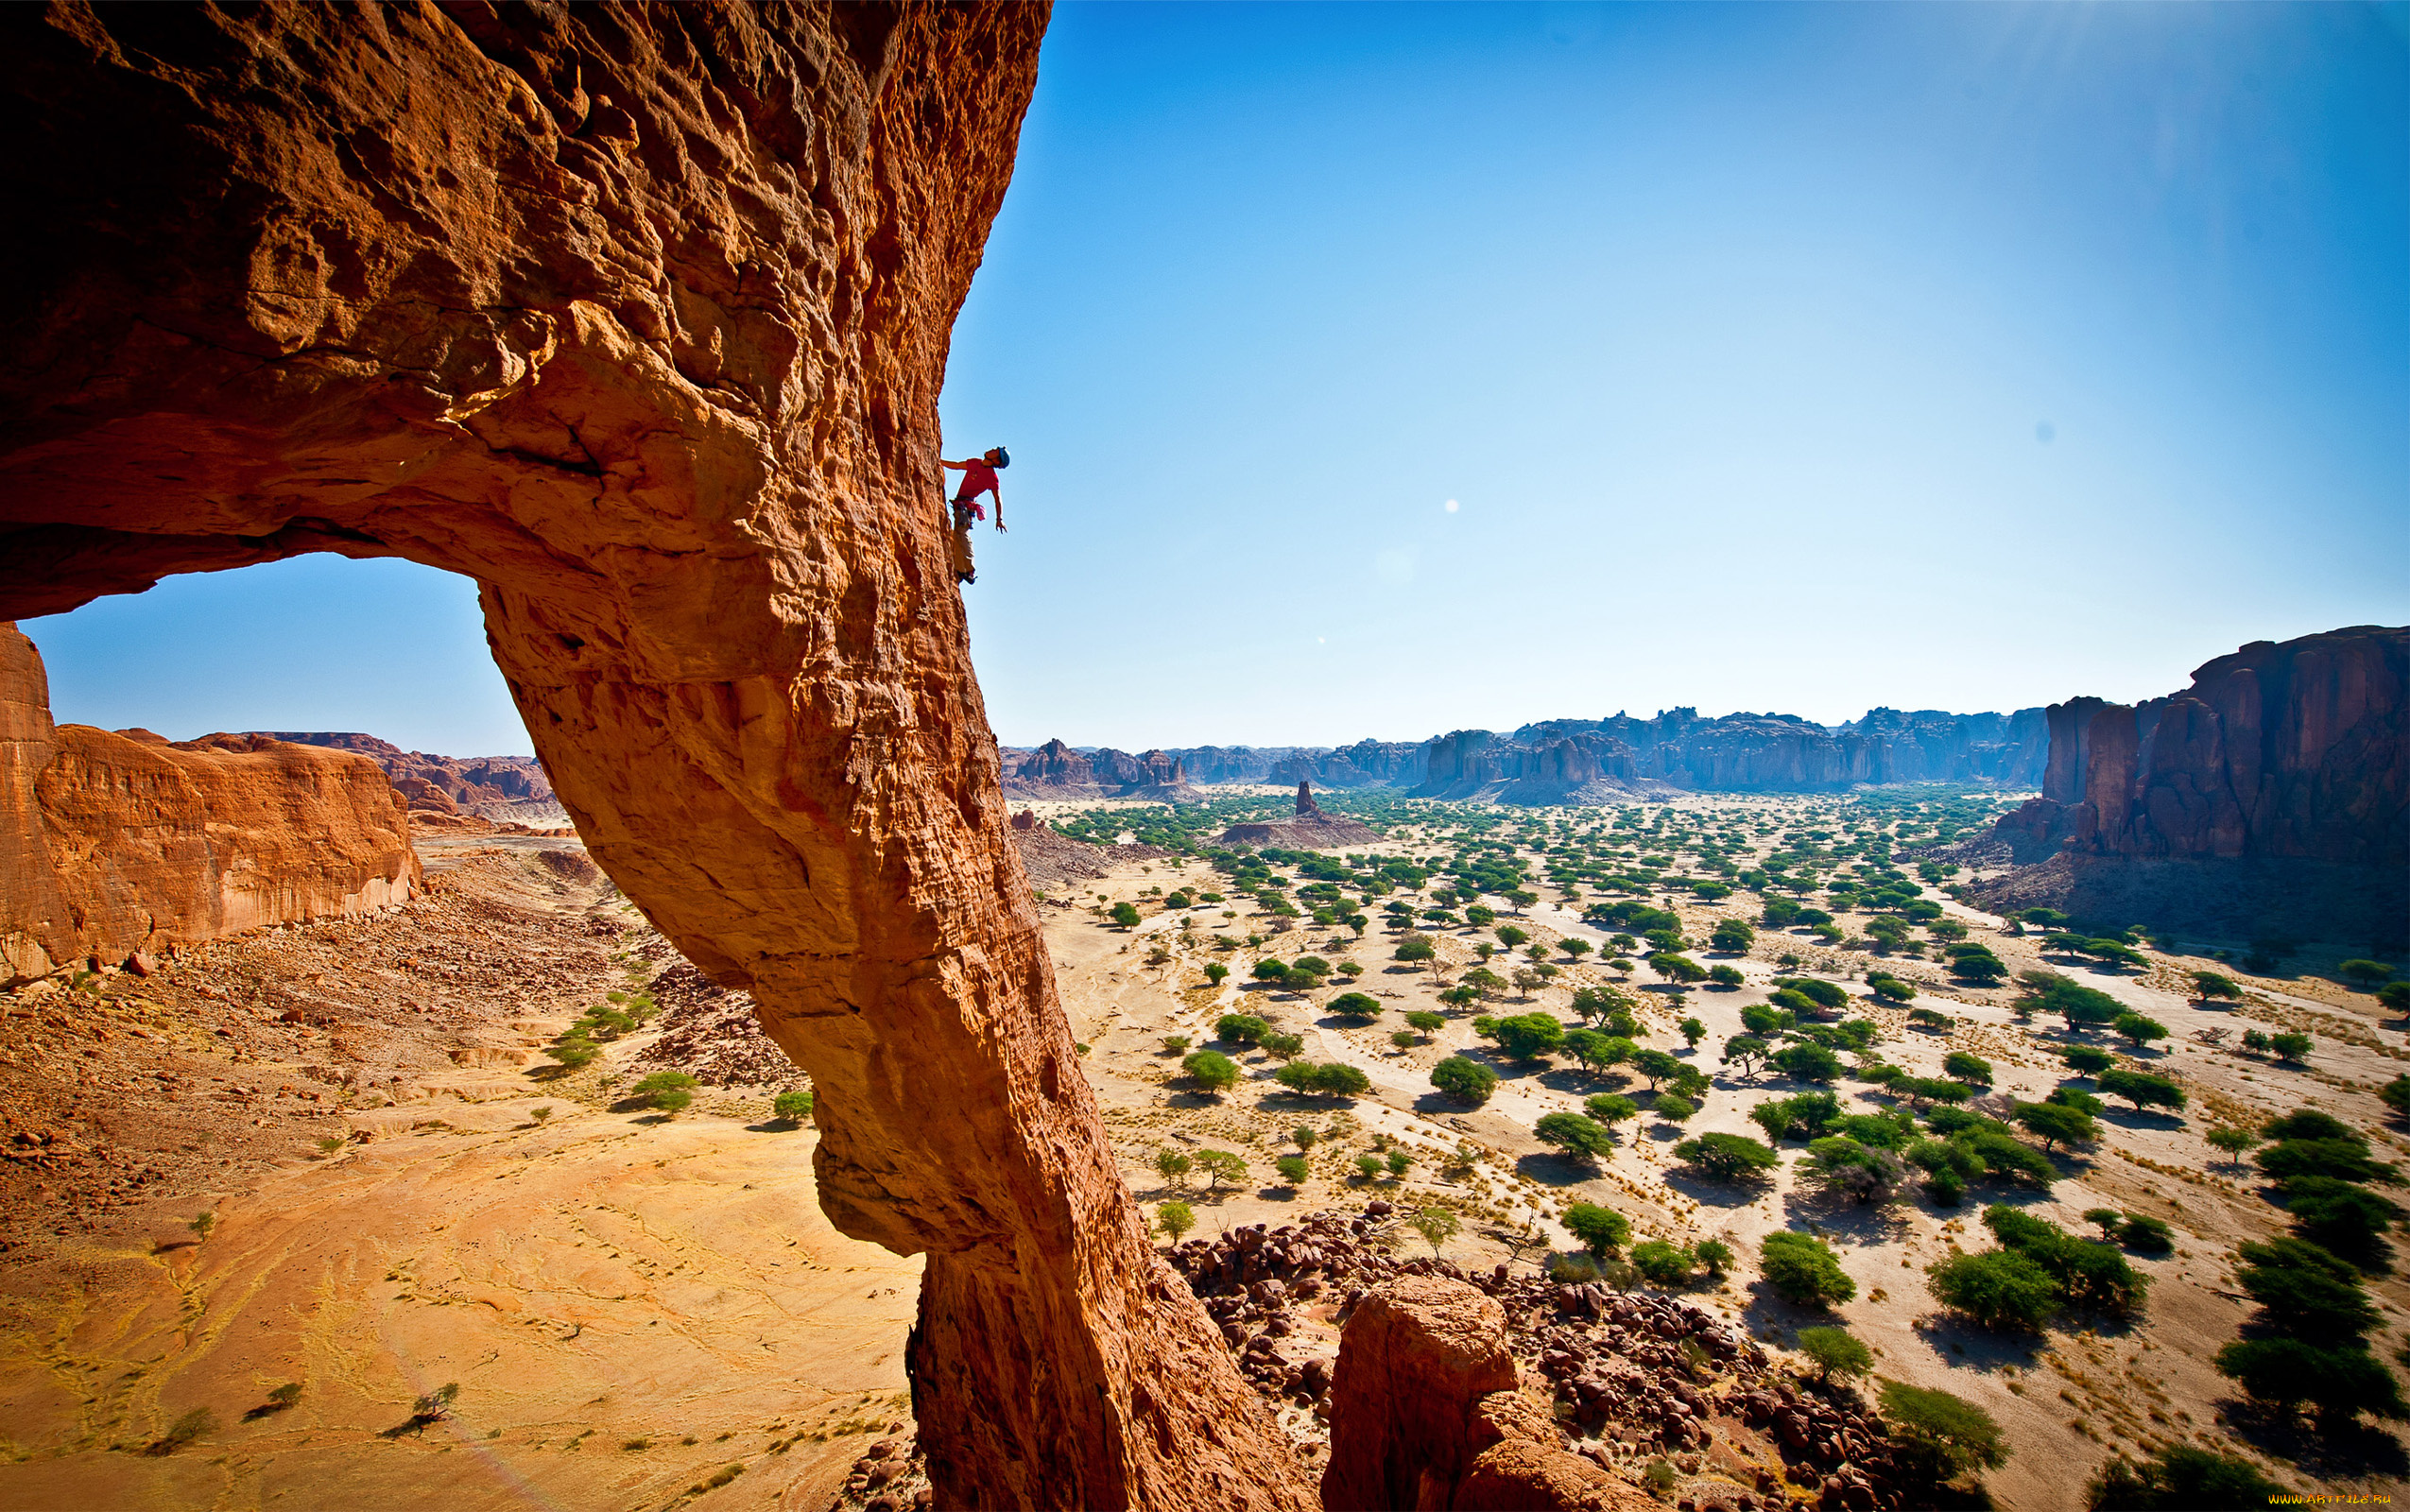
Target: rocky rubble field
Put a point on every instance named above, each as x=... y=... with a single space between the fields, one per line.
x=1636 y=1379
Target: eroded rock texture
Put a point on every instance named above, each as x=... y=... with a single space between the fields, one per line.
x=118 y=843
x=1056 y=770
x=509 y=788
x=638 y=317
x=2284 y=770
x=1425 y=1413
x=1308 y=829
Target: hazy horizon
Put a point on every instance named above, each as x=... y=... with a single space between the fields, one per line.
x=1380 y=370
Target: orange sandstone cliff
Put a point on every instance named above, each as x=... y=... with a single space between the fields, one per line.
x=638 y=316
x=132 y=844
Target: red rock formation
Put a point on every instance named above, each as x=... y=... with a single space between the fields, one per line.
x=491 y=787
x=1424 y=1414
x=2297 y=750
x=1055 y=771
x=639 y=316
x=2292 y=756
x=34 y=937
x=131 y=843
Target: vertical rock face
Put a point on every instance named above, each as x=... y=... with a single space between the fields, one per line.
x=1424 y=1414
x=491 y=787
x=2299 y=751
x=34 y=937
x=1057 y=767
x=2269 y=799
x=134 y=844
x=1057 y=771
x=639 y=316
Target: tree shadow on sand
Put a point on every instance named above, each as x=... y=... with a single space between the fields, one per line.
x=1836 y=1216
x=1963 y=1345
x=1708 y=1193
x=2131 y=1118
x=2320 y=1451
x=1556 y=1170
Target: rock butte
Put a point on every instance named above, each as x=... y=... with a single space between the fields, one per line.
x=118 y=844
x=2270 y=797
x=638 y=317
x=1308 y=829
x=511 y=788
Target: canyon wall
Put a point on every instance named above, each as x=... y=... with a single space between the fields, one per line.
x=1056 y=770
x=1537 y=764
x=638 y=316
x=2283 y=770
x=119 y=843
x=511 y=788
x=1617 y=759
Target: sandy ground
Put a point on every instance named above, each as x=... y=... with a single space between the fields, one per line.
x=2067 y=1400
x=628 y=1304
x=607 y=1277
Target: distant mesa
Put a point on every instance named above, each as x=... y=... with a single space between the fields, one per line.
x=1621 y=759
x=505 y=789
x=2270 y=799
x=1310 y=829
x=117 y=847
x=1056 y=770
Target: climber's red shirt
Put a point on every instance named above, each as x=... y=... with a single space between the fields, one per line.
x=977 y=478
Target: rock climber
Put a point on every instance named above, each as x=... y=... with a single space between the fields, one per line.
x=978 y=477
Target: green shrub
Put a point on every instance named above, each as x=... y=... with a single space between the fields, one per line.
x=1332 y=1079
x=1356 y=1005
x=1835 y=1351
x=1529 y=1036
x=1212 y=1070
x=1220 y=1166
x=1603 y=1230
x=2056 y=1123
x=1998 y=1289
x=1465 y=1081
x=1571 y=1270
x=1938 y=1436
x=1577 y=1136
x=1662 y=1262
x=792 y=1108
x=2342 y=1159
x=1293 y=1168
x=2151 y=1235
x=2087 y=1275
x=1802 y=1269
x=2340 y=1383
x=2181 y=1478
x=2306 y=1292
x=1725 y=1157
x=1714 y=1256
x=1960 y=1066
x=669 y=1090
x=2339 y=1214
x=1806 y=1062
x=2141 y=1088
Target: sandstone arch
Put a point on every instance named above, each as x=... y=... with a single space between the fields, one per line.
x=638 y=317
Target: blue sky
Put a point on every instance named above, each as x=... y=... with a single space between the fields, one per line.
x=1777 y=358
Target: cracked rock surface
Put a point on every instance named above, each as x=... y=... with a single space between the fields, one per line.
x=639 y=316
